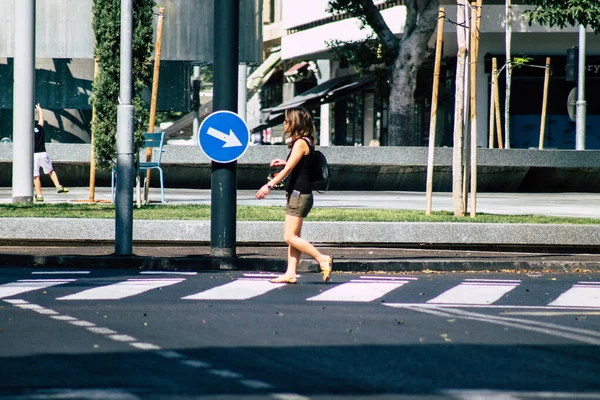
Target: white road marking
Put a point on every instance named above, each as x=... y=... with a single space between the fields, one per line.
x=253 y=384
x=358 y=291
x=168 y=273
x=120 y=290
x=101 y=330
x=85 y=324
x=122 y=338
x=580 y=295
x=236 y=290
x=60 y=272
x=29 y=285
x=566 y=332
x=144 y=346
x=289 y=396
x=195 y=363
x=170 y=354
x=64 y=318
x=225 y=373
x=481 y=291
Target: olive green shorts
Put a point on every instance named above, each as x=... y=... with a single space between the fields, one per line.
x=299 y=207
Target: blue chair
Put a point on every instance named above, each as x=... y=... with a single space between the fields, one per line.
x=154 y=141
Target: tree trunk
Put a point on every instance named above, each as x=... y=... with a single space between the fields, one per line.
x=419 y=28
x=459 y=117
x=509 y=17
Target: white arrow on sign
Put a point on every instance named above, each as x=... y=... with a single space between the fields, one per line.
x=230 y=140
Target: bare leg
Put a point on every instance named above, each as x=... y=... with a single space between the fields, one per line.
x=291 y=235
x=37 y=184
x=54 y=178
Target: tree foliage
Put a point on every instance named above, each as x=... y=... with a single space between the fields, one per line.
x=106 y=86
x=402 y=56
x=563 y=13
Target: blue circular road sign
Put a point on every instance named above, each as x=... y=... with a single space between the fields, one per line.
x=223 y=136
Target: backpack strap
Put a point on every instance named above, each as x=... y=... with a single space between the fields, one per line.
x=310 y=145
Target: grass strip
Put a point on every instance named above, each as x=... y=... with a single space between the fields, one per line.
x=268 y=213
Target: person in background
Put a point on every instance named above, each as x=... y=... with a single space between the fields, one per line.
x=41 y=159
x=299 y=132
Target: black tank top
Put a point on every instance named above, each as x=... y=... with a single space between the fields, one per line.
x=299 y=178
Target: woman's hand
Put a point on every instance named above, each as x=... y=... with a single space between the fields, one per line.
x=277 y=163
x=262 y=192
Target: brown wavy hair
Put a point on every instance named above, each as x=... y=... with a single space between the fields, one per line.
x=299 y=124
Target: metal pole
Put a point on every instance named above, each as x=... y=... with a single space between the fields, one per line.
x=224 y=176
x=242 y=92
x=125 y=165
x=581 y=103
x=23 y=102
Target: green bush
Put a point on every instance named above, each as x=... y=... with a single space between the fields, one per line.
x=105 y=97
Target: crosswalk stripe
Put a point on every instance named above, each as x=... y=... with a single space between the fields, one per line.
x=29 y=285
x=120 y=290
x=358 y=291
x=475 y=292
x=582 y=295
x=236 y=290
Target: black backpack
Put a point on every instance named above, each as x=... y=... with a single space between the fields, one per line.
x=319 y=170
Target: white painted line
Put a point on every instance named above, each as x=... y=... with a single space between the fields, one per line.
x=224 y=373
x=170 y=354
x=358 y=292
x=16 y=301
x=589 y=283
x=28 y=306
x=494 y=280
x=391 y=278
x=63 y=318
x=377 y=281
x=252 y=384
x=484 y=306
x=195 y=363
x=130 y=287
x=29 y=285
x=263 y=275
x=236 y=290
x=122 y=338
x=579 y=296
x=85 y=324
x=549 y=313
x=289 y=396
x=101 y=330
x=46 y=311
x=467 y=293
x=167 y=273
x=145 y=346
x=60 y=272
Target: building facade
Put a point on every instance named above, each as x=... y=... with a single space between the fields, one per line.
x=65 y=66
x=355 y=114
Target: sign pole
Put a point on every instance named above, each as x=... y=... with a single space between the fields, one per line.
x=224 y=175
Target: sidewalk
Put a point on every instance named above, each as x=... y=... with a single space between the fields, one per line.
x=184 y=245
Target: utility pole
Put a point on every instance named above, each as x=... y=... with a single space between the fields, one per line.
x=23 y=102
x=581 y=103
x=224 y=175
x=125 y=165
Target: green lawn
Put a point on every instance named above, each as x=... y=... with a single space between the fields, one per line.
x=264 y=213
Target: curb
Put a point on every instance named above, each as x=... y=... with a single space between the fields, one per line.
x=201 y=263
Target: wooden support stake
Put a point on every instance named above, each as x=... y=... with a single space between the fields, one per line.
x=161 y=18
x=434 y=105
x=92 y=152
x=545 y=104
x=497 y=103
x=492 y=108
x=475 y=23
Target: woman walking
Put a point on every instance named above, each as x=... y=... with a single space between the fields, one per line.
x=299 y=132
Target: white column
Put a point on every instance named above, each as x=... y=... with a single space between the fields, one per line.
x=325 y=131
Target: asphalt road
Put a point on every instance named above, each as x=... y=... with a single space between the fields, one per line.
x=132 y=334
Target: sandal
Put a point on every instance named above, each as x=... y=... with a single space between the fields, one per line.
x=326 y=267
x=284 y=279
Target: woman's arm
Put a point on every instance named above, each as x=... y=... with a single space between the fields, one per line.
x=40 y=115
x=299 y=150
